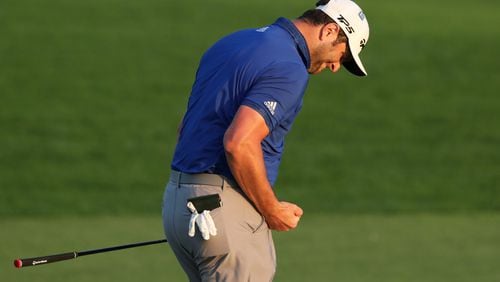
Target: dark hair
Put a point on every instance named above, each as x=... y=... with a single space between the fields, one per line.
x=322 y=2
x=318 y=17
x=315 y=16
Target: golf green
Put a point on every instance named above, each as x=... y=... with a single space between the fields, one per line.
x=375 y=248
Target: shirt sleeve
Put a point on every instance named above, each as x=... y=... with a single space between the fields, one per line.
x=277 y=92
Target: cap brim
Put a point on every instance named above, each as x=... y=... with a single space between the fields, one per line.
x=355 y=66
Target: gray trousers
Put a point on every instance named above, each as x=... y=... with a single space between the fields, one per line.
x=242 y=250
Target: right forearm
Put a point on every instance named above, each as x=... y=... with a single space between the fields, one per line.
x=242 y=144
x=247 y=166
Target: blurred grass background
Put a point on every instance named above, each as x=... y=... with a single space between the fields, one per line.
x=354 y=248
x=92 y=92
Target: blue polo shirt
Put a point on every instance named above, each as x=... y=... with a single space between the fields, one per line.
x=265 y=69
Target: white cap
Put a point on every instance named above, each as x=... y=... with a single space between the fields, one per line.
x=349 y=16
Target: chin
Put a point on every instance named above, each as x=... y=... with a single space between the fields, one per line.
x=317 y=68
x=315 y=71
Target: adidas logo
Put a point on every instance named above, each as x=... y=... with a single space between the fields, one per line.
x=271 y=106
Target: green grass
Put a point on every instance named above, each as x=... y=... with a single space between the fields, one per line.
x=380 y=248
x=352 y=248
x=398 y=172
x=92 y=93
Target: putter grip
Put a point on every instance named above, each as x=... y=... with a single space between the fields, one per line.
x=44 y=260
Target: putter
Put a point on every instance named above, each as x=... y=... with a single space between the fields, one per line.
x=72 y=255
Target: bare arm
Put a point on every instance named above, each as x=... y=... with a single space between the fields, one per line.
x=242 y=143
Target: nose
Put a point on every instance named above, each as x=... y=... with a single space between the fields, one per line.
x=335 y=67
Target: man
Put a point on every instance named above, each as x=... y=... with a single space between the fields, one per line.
x=248 y=89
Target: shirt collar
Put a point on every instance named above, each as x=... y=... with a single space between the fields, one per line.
x=300 y=41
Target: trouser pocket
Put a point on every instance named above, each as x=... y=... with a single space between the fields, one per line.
x=197 y=246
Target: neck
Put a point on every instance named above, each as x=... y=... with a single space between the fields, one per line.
x=309 y=32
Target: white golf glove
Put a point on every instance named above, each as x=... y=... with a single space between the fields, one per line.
x=204 y=221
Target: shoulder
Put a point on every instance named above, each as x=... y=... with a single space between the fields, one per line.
x=268 y=43
x=291 y=72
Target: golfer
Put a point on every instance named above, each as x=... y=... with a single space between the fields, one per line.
x=219 y=206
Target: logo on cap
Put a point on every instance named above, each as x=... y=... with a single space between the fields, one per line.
x=361 y=15
x=348 y=26
x=362 y=43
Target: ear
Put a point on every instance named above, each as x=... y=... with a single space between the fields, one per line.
x=329 y=32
